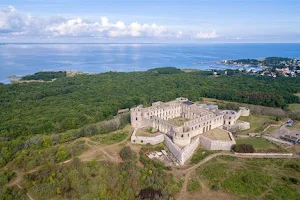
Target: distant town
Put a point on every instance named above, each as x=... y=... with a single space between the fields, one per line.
x=270 y=66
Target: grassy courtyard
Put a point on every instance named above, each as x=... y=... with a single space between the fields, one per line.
x=217 y=134
x=253 y=178
x=146 y=132
x=179 y=121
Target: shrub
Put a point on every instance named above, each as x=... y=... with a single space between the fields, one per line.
x=243 y=148
x=149 y=130
x=127 y=154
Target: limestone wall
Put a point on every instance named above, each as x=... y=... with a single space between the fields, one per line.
x=243 y=125
x=146 y=140
x=188 y=151
x=174 y=149
x=264 y=154
x=162 y=125
x=216 y=144
x=182 y=155
x=244 y=111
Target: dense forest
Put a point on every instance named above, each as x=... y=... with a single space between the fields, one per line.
x=71 y=102
x=44 y=76
x=40 y=122
x=53 y=108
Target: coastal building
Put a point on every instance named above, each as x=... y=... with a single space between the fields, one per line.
x=183 y=125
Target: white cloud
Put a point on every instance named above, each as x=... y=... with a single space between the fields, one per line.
x=11 y=20
x=207 y=35
x=15 y=23
x=73 y=27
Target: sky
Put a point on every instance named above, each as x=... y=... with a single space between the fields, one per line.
x=143 y=21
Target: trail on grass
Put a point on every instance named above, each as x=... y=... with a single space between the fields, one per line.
x=188 y=171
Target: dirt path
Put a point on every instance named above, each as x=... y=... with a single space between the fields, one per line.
x=96 y=150
x=188 y=171
x=103 y=152
x=17 y=179
x=183 y=192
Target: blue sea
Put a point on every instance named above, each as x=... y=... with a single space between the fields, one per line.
x=23 y=59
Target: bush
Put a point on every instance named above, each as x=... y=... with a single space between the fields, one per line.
x=127 y=154
x=243 y=148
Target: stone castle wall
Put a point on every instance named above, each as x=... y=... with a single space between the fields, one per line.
x=146 y=140
x=201 y=119
x=182 y=155
x=174 y=149
x=217 y=144
x=188 y=151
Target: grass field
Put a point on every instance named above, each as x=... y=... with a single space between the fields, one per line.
x=272 y=129
x=193 y=185
x=144 y=132
x=253 y=178
x=200 y=154
x=294 y=107
x=179 y=121
x=258 y=143
x=295 y=127
x=257 y=123
x=110 y=138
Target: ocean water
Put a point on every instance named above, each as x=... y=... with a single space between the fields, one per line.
x=23 y=59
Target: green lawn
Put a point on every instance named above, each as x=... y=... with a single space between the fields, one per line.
x=253 y=178
x=272 y=129
x=179 y=121
x=193 y=185
x=200 y=154
x=258 y=143
x=257 y=123
x=294 y=107
x=217 y=134
x=295 y=127
x=110 y=138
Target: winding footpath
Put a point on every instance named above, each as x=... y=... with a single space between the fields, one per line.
x=188 y=171
x=96 y=149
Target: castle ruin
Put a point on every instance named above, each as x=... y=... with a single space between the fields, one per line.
x=183 y=125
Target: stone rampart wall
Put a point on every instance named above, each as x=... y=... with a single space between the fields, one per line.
x=263 y=154
x=217 y=144
x=146 y=140
x=188 y=151
x=174 y=149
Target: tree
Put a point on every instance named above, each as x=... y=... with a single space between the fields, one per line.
x=127 y=154
x=243 y=148
x=61 y=154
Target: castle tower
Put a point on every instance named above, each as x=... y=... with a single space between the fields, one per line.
x=136 y=117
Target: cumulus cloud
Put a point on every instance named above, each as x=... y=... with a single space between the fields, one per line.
x=11 y=20
x=79 y=27
x=14 y=22
x=207 y=35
